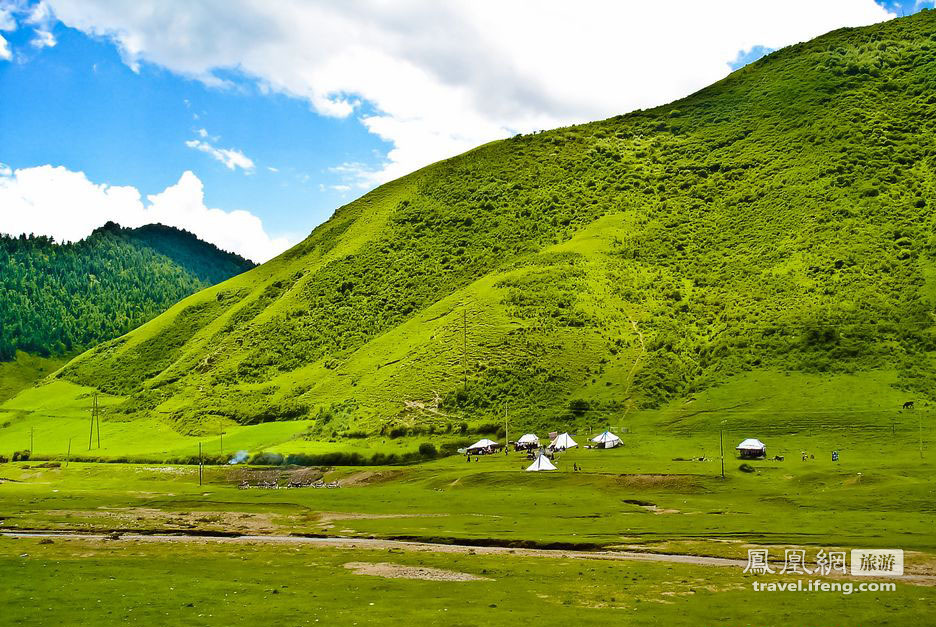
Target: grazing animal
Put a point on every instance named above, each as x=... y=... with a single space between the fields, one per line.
x=908 y=405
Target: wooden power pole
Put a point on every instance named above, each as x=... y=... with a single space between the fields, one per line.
x=91 y=433
x=920 y=422
x=721 y=450
x=506 y=428
x=199 y=464
x=97 y=416
x=465 y=345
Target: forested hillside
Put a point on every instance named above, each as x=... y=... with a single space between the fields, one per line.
x=780 y=219
x=58 y=298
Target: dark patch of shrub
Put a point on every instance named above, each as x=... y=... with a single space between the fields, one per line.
x=266 y=459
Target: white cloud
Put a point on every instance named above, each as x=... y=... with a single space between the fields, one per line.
x=5 y=54
x=230 y=157
x=58 y=202
x=43 y=39
x=356 y=174
x=437 y=78
x=40 y=14
x=7 y=22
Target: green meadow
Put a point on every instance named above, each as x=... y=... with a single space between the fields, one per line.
x=632 y=498
x=81 y=582
x=663 y=485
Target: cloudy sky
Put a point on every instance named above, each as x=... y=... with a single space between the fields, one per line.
x=248 y=122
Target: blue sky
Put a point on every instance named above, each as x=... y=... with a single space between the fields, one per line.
x=77 y=104
x=250 y=128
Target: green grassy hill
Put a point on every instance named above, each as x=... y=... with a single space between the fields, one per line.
x=772 y=231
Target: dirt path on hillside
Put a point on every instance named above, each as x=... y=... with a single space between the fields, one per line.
x=425 y=547
x=633 y=369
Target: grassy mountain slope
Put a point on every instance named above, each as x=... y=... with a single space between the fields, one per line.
x=778 y=221
x=23 y=372
x=61 y=298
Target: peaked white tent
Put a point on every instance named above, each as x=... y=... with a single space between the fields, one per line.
x=483 y=446
x=752 y=448
x=607 y=440
x=527 y=442
x=562 y=442
x=542 y=463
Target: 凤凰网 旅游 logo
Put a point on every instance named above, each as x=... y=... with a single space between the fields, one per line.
x=864 y=562
x=877 y=562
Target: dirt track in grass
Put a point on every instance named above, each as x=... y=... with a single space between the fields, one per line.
x=925 y=578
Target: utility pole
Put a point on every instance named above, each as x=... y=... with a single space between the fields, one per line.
x=221 y=431
x=199 y=464
x=68 y=454
x=31 y=429
x=465 y=345
x=506 y=429
x=721 y=450
x=920 y=422
x=91 y=433
x=97 y=414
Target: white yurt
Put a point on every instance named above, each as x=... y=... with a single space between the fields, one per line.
x=752 y=448
x=607 y=440
x=542 y=463
x=562 y=442
x=482 y=447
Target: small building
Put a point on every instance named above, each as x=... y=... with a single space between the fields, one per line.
x=607 y=440
x=752 y=449
x=527 y=442
x=483 y=446
x=542 y=463
x=562 y=442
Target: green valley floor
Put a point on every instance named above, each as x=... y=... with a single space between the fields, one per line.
x=482 y=527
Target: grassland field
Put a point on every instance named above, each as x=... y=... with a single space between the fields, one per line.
x=109 y=583
x=634 y=498
x=651 y=495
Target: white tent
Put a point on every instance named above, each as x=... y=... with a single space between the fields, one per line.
x=562 y=442
x=752 y=447
x=529 y=438
x=607 y=440
x=482 y=445
x=542 y=463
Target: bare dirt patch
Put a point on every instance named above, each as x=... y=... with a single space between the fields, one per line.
x=400 y=571
x=367 y=477
x=645 y=481
x=147 y=518
x=327 y=517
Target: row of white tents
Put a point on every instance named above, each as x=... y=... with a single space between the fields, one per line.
x=561 y=442
x=750 y=448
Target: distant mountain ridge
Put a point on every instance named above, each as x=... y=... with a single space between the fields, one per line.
x=778 y=220
x=59 y=298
